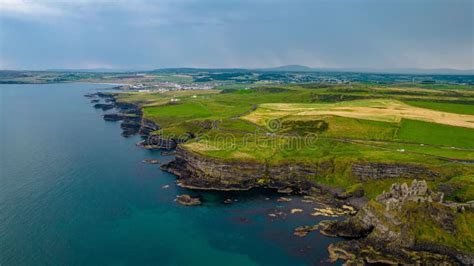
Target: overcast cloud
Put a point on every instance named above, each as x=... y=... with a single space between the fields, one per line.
x=139 y=34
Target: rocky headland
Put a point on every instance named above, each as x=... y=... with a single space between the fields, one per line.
x=408 y=225
x=384 y=230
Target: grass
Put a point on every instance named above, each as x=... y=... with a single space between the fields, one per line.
x=426 y=229
x=463 y=187
x=328 y=129
x=436 y=134
x=445 y=107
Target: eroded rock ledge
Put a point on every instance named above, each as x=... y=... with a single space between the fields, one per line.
x=200 y=172
x=387 y=230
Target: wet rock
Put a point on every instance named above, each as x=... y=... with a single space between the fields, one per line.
x=147 y=127
x=277 y=214
x=113 y=117
x=330 y=212
x=91 y=95
x=130 y=125
x=283 y=199
x=168 y=153
x=151 y=161
x=187 y=200
x=128 y=108
x=103 y=106
x=296 y=210
x=303 y=231
x=287 y=190
x=165 y=186
x=95 y=100
x=228 y=201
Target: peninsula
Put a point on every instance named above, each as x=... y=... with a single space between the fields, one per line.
x=402 y=154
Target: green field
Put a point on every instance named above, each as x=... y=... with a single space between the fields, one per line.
x=436 y=134
x=311 y=124
x=445 y=107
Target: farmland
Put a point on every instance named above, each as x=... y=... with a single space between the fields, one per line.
x=315 y=123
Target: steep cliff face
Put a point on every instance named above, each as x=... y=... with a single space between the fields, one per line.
x=371 y=171
x=199 y=172
x=408 y=225
x=147 y=126
x=203 y=172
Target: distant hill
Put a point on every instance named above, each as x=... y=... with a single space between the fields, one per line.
x=440 y=71
x=285 y=68
x=289 y=68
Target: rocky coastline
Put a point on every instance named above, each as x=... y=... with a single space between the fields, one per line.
x=373 y=233
x=383 y=232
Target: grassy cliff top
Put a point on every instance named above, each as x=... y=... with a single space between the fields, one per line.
x=314 y=123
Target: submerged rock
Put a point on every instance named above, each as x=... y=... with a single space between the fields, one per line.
x=187 y=200
x=331 y=212
x=287 y=190
x=277 y=214
x=104 y=106
x=283 y=199
x=168 y=153
x=151 y=161
x=303 y=231
x=113 y=117
x=296 y=210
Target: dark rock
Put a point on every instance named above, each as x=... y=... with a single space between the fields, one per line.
x=158 y=142
x=371 y=171
x=287 y=190
x=151 y=161
x=109 y=100
x=187 y=200
x=128 y=108
x=147 y=127
x=91 y=95
x=130 y=125
x=198 y=172
x=103 y=106
x=113 y=117
x=385 y=232
x=95 y=100
x=358 y=193
x=303 y=231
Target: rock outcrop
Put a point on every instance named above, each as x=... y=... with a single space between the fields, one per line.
x=113 y=117
x=147 y=127
x=401 y=193
x=156 y=141
x=200 y=172
x=104 y=106
x=371 y=171
x=391 y=229
x=131 y=125
x=187 y=200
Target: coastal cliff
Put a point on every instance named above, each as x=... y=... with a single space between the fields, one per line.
x=408 y=225
x=202 y=172
x=384 y=230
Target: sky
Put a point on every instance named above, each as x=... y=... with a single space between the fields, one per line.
x=150 y=34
